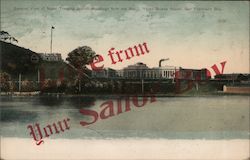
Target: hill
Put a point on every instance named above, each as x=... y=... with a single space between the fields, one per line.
x=16 y=60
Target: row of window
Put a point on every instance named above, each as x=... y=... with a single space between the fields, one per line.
x=136 y=74
x=149 y=74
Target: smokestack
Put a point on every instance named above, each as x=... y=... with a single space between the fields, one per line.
x=162 y=61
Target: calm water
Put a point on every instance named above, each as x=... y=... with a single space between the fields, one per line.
x=220 y=117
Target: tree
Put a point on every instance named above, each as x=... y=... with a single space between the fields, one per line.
x=4 y=81
x=81 y=56
x=4 y=36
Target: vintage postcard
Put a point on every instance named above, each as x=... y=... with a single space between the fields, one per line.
x=121 y=79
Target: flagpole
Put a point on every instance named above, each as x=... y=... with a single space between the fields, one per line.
x=51 y=36
x=51 y=39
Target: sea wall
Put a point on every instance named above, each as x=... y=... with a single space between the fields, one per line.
x=236 y=89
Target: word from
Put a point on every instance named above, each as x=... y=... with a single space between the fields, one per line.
x=109 y=108
x=116 y=55
x=35 y=130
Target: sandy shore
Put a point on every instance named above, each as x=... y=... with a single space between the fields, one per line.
x=20 y=149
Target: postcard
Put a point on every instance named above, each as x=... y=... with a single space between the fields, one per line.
x=105 y=79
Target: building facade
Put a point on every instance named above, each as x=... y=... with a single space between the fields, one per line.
x=51 y=56
x=137 y=71
x=105 y=73
x=142 y=71
x=233 y=77
x=191 y=74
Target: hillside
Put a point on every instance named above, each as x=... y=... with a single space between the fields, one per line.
x=16 y=60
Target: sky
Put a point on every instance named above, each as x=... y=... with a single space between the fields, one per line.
x=192 y=34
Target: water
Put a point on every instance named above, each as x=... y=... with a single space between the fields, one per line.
x=215 y=117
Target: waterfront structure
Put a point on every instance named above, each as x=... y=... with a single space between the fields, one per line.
x=191 y=74
x=142 y=71
x=236 y=89
x=233 y=77
x=51 y=56
x=137 y=71
x=105 y=73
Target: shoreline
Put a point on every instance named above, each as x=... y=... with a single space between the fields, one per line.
x=29 y=94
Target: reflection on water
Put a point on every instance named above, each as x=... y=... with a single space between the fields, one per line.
x=224 y=117
x=58 y=101
x=49 y=101
x=17 y=115
x=81 y=102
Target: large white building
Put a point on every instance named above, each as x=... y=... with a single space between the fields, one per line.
x=142 y=71
x=138 y=71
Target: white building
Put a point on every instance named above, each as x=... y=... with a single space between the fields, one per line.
x=138 y=71
x=142 y=71
x=51 y=56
